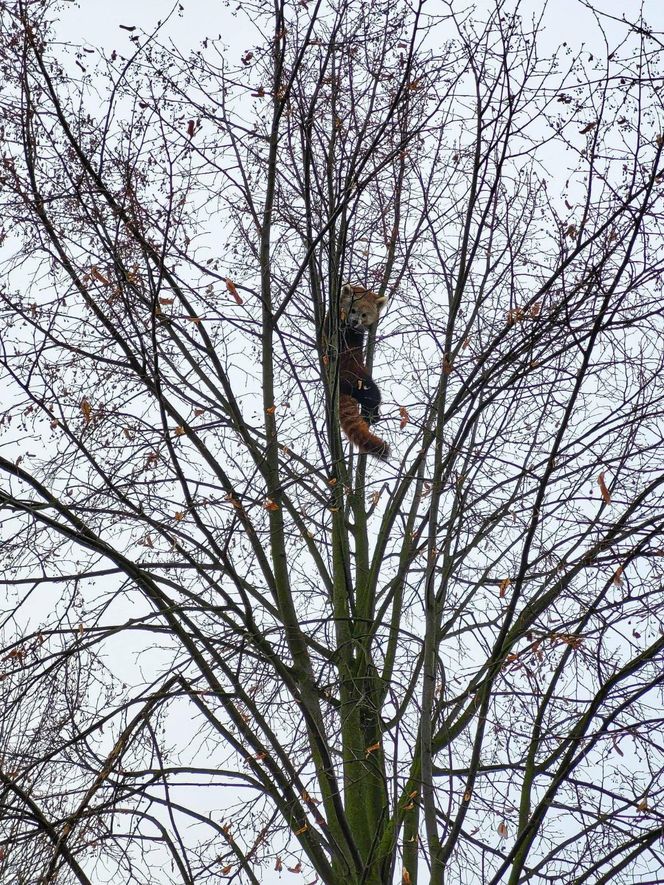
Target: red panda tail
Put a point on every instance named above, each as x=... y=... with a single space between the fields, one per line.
x=357 y=429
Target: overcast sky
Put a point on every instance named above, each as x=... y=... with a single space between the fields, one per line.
x=97 y=24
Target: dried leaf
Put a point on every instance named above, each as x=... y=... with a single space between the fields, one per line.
x=588 y=128
x=96 y=274
x=371 y=749
x=166 y=300
x=269 y=504
x=179 y=516
x=374 y=497
x=405 y=877
x=226 y=870
x=296 y=869
x=642 y=805
x=246 y=58
x=502 y=587
x=180 y=431
x=271 y=410
x=617 y=576
x=603 y=489
x=86 y=408
x=569 y=639
x=405 y=417
x=502 y=829
x=232 y=288
x=447 y=366
x=302 y=830
x=278 y=865
x=467 y=795
x=191 y=126
x=536 y=309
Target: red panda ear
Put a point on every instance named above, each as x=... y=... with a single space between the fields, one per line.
x=381 y=300
x=346 y=290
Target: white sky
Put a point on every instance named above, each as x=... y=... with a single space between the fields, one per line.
x=96 y=23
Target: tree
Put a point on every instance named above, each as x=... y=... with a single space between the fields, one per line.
x=231 y=645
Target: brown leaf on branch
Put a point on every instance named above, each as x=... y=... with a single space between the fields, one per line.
x=502 y=587
x=96 y=274
x=405 y=417
x=86 y=408
x=603 y=488
x=230 y=285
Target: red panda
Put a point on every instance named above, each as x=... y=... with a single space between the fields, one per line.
x=358 y=309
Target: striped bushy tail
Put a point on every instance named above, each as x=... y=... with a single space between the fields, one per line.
x=357 y=429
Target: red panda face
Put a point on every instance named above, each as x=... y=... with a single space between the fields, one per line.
x=359 y=307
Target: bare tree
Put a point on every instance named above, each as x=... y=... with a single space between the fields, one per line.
x=233 y=648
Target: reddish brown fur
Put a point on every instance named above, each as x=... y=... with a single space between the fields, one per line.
x=357 y=429
x=359 y=309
